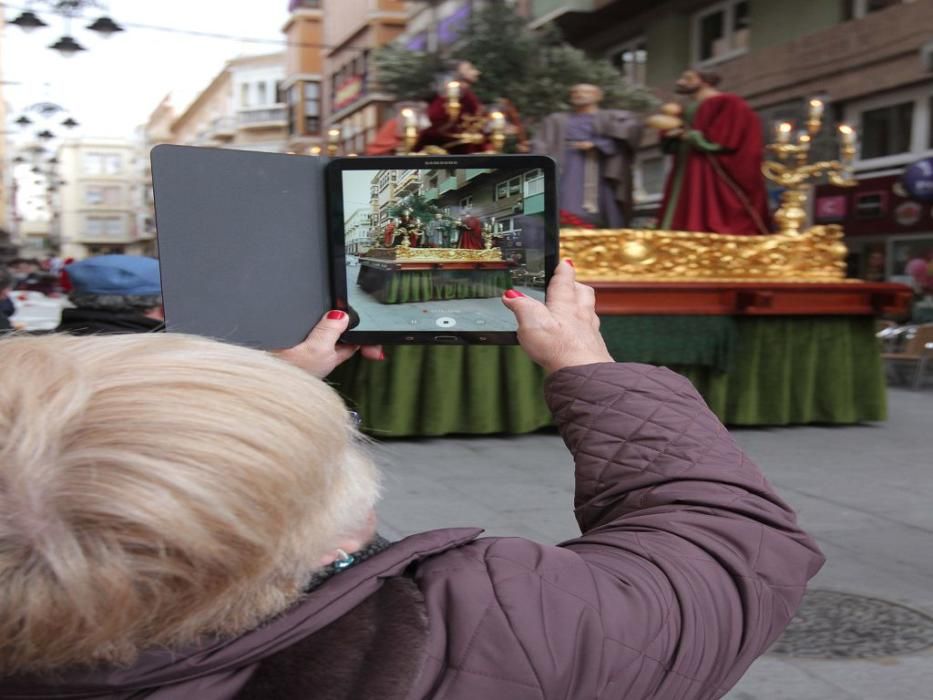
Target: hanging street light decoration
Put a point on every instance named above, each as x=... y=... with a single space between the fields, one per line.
x=24 y=121
x=69 y=10
x=28 y=21
x=69 y=123
x=105 y=26
x=67 y=46
x=45 y=135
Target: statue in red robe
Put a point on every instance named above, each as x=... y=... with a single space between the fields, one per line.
x=716 y=184
x=444 y=131
x=471 y=236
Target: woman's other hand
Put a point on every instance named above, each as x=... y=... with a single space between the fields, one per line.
x=321 y=351
x=563 y=332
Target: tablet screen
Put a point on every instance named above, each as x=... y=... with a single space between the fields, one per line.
x=432 y=250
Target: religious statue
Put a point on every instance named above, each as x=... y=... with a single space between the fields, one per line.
x=471 y=233
x=594 y=149
x=447 y=126
x=716 y=183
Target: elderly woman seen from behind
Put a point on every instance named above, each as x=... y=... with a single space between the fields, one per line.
x=185 y=519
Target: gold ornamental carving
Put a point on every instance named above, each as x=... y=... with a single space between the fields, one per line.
x=622 y=255
x=434 y=255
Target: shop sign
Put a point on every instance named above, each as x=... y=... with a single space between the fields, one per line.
x=918 y=180
x=908 y=213
x=348 y=92
x=831 y=208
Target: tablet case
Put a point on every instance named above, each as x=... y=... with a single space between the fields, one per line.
x=219 y=278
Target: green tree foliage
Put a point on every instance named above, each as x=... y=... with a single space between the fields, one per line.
x=533 y=69
x=420 y=208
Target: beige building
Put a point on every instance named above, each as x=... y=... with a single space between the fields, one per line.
x=98 y=212
x=242 y=107
x=304 y=76
x=353 y=28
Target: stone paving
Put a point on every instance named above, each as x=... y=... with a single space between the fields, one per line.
x=865 y=493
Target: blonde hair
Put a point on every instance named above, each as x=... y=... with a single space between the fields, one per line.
x=158 y=488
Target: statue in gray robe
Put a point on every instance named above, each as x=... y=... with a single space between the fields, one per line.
x=594 y=149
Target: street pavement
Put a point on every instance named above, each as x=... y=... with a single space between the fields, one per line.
x=865 y=493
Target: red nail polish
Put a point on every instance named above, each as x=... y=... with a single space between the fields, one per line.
x=382 y=354
x=336 y=315
x=513 y=294
x=569 y=262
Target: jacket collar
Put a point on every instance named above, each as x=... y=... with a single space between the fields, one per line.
x=219 y=668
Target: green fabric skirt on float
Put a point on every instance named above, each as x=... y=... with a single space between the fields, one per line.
x=752 y=371
x=404 y=286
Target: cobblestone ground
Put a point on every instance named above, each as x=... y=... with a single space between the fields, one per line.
x=864 y=492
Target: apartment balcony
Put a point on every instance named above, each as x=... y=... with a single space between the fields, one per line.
x=408 y=181
x=262 y=117
x=882 y=51
x=223 y=128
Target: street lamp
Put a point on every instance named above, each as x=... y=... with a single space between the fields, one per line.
x=28 y=21
x=67 y=46
x=69 y=123
x=105 y=26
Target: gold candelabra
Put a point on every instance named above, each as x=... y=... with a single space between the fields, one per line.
x=489 y=231
x=793 y=172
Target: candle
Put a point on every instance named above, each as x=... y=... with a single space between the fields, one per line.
x=497 y=121
x=816 y=109
x=333 y=135
x=803 y=138
x=782 y=132
x=846 y=135
x=453 y=90
x=408 y=117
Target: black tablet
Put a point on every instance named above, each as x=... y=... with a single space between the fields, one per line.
x=423 y=247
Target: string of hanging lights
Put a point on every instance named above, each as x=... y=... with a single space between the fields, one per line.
x=68 y=10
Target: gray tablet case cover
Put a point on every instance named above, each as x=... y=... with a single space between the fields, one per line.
x=242 y=243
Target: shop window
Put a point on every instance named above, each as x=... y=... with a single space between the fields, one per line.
x=721 y=31
x=886 y=131
x=631 y=58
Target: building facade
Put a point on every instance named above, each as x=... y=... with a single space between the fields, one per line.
x=871 y=61
x=242 y=107
x=96 y=204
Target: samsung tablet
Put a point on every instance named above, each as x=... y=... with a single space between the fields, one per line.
x=423 y=247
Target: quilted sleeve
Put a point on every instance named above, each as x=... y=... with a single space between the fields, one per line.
x=694 y=564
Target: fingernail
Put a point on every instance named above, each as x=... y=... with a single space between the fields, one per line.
x=382 y=354
x=569 y=262
x=336 y=315
x=513 y=294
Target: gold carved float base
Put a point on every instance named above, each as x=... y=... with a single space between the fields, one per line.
x=620 y=255
x=434 y=255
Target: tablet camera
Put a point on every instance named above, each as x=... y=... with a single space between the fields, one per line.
x=445 y=322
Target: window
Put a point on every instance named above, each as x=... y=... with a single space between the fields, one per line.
x=534 y=182
x=312 y=108
x=280 y=97
x=103 y=227
x=886 y=131
x=631 y=58
x=650 y=176
x=509 y=188
x=244 y=95
x=721 y=31
x=261 y=97
x=102 y=163
x=102 y=195
x=860 y=8
x=466 y=202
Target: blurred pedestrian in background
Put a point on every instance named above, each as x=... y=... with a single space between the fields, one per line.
x=114 y=294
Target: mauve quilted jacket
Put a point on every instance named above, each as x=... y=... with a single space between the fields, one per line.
x=688 y=567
